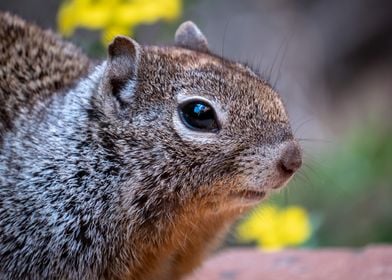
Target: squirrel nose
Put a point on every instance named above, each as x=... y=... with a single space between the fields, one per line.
x=291 y=159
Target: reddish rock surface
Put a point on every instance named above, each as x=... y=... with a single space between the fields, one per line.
x=370 y=263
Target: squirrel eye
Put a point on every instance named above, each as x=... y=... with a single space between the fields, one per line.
x=198 y=115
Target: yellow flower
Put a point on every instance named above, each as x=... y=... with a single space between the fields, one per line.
x=114 y=17
x=273 y=228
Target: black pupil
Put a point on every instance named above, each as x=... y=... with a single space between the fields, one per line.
x=199 y=115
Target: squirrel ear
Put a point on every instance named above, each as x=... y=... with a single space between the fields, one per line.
x=189 y=36
x=123 y=58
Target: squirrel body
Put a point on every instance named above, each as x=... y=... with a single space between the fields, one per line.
x=103 y=174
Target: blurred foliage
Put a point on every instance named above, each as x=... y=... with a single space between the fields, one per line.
x=349 y=192
x=274 y=228
x=114 y=17
x=347 y=196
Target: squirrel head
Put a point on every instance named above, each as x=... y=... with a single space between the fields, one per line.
x=188 y=125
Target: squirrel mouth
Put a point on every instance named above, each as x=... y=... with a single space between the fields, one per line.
x=249 y=194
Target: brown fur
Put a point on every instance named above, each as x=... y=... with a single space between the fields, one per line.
x=184 y=231
x=34 y=64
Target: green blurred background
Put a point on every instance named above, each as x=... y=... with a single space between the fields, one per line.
x=332 y=63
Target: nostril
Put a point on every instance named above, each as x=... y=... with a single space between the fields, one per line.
x=291 y=159
x=284 y=170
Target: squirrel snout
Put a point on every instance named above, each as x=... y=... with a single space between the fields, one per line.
x=291 y=159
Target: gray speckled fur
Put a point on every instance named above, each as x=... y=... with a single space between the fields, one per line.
x=42 y=167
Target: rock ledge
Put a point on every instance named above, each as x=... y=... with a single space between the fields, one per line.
x=372 y=262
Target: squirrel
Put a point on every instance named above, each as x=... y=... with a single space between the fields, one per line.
x=133 y=168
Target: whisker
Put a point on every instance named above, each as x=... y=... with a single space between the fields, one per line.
x=286 y=196
x=309 y=160
x=314 y=140
x=283 y=57
x=274 y=62
x=306 y=181
x=306 y=121
x=306 y=177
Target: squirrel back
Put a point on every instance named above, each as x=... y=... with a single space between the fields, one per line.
x=34 y=64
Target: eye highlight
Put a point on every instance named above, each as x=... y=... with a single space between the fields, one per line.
x=198 y=115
